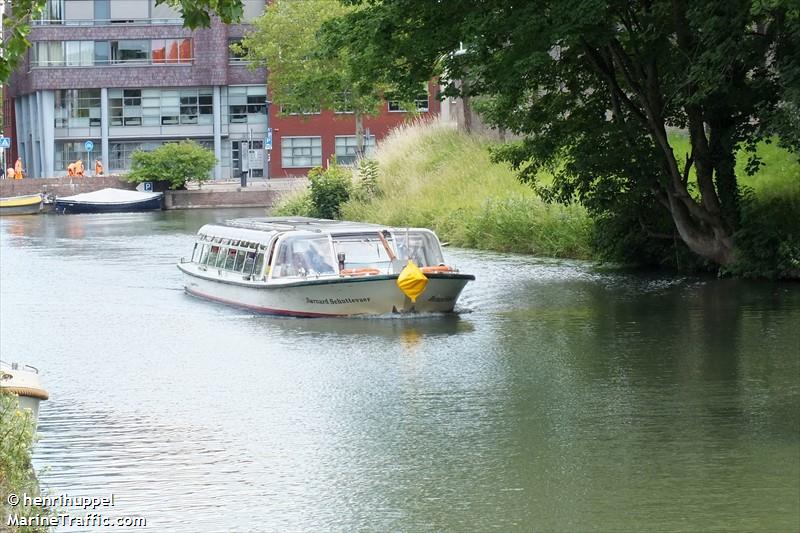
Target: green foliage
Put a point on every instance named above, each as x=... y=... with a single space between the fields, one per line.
x=16 y=471
x=175 y=163
x=593 y=86
x=329 y=189
x=769 y=239
x=295 y=204
x=366 y=186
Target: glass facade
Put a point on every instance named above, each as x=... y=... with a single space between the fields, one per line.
x=67 y=152
x=77 y=108
x=101 y=53
x=247 y=104
x=160 y=107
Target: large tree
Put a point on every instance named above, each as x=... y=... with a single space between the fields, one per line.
x=17 y=23
x=303 y=75
x=595 y=86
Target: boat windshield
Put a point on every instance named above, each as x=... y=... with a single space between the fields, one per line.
x=422 y=247
x=303 y=255
x=364 y=250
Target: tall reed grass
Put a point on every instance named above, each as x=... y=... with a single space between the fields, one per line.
x=432 y=176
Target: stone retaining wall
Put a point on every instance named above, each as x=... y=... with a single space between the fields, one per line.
x=64 y=186
x=203 y=198
x=209 y=198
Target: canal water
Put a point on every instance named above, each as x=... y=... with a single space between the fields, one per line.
x=558 y=399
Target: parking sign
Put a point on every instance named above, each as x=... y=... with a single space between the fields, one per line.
x=89 y=145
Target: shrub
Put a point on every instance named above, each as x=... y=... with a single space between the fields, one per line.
x=768 y=242
x=16 y=472
x=174 y=163
x=295 y=204
x=329 y=189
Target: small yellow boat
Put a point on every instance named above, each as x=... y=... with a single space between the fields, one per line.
x=21 y=205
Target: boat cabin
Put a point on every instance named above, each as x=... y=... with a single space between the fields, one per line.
x=284 y=249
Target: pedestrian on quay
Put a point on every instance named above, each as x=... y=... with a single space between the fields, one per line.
x=10 y=173
x=18 y=172
x=98 y=167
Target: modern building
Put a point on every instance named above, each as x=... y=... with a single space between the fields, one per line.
x=126 y=75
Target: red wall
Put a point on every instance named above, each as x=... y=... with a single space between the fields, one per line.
x=328 y=125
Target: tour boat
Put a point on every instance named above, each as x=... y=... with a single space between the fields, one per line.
x=109 y=201
x=23 y=380
x=310 y=267
x=30 y=204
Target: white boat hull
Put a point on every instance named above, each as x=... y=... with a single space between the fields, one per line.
x=324 y=296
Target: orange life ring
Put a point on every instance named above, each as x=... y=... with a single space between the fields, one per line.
x=436 y=269
x=359 y=272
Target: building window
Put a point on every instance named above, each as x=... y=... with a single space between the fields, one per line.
x=344 y=104
x=79 y=53
x=301 y=152
x=247 y=104
x=67 y=152
x=346 y=148
x=420 y=102
x=77 y=108
x=119 y=153
x=130 y=51
x=236 y=57
x=294 y=109
x=125 y=107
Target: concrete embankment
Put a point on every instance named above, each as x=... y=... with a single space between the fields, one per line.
x=258 y=194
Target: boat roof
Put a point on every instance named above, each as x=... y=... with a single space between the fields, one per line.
x=317 y=225
x=111 y=196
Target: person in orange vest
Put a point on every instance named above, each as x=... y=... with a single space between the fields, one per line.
x=98 y=168
x=19 y=173
x=71 y=169
x=79 y=171
x=10 y=174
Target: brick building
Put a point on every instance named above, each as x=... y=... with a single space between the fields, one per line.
x=126 y=75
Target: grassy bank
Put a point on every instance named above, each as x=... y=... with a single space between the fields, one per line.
x=432 y=176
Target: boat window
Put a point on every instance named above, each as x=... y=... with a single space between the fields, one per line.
x=249 y=262
x=362 y=251
x=259 y=264
x=421 y=247
x=223 y=253
x=303 y=255
x=239 y=261
x=212 y=256
x=231 y=259
x=203 y=254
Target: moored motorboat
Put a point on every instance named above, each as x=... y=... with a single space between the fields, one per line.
x=30 y=204
x=109 y=201
x=314 y=267
x=23 y=381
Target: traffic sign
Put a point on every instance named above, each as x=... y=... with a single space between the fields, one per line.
x=89 y=145
x=5 y=142
x=268 y=142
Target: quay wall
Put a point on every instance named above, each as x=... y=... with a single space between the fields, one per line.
x=64 y=186
x=195 y=199
x=210 y=198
